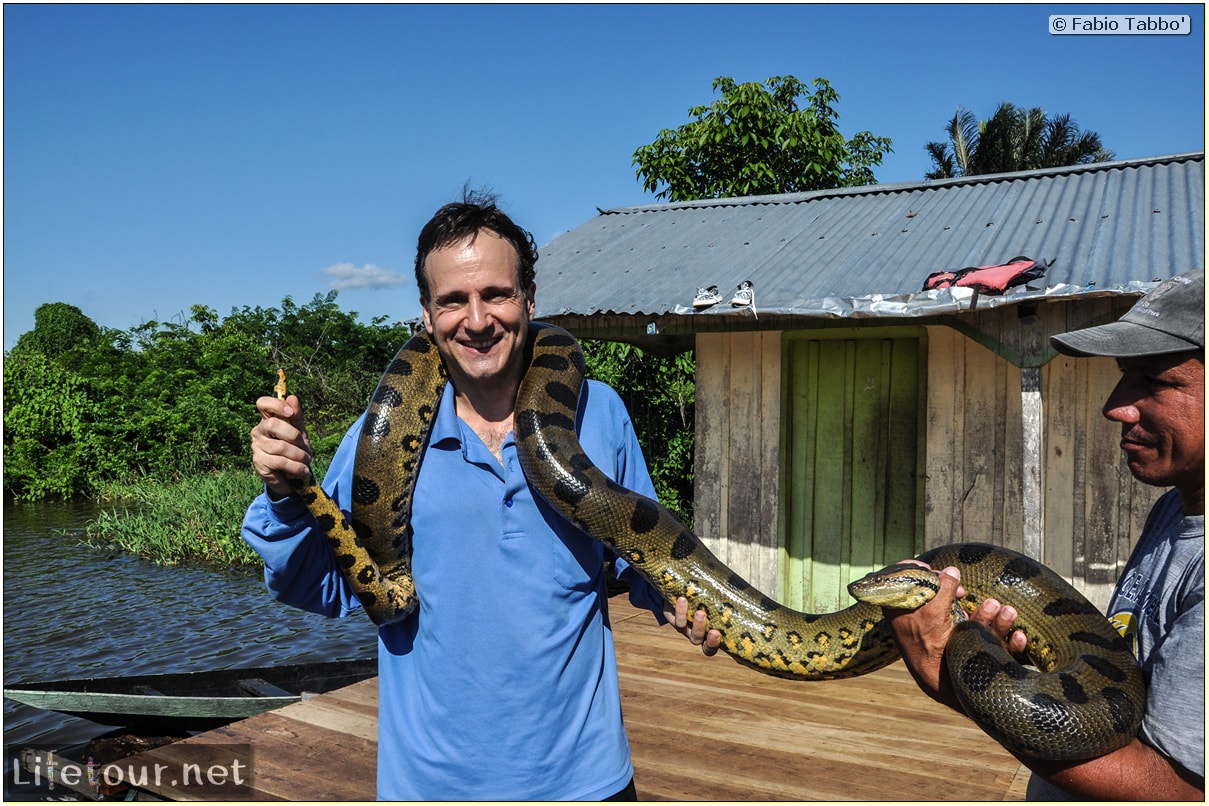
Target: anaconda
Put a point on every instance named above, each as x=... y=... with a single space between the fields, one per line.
x=1085 y=698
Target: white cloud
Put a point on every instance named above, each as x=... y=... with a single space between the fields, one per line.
x=346 y=275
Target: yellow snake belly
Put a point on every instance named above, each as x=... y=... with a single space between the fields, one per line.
x=1086 y=699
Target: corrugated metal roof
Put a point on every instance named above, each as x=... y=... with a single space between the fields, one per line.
x=1106 y=228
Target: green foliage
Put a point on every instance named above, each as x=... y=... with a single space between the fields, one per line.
x=58 y=327
x=1012 y=139
x=758 y=140
x=168 y=399
x=45 y=407
x=659 y=393
x=157 y=418
x=332 y=361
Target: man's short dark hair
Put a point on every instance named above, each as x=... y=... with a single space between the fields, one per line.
x=458 y=220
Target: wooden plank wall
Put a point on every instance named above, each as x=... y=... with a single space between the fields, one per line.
x=974 y=479
x=973 y=464
x=737 y=465
x=1093 y=507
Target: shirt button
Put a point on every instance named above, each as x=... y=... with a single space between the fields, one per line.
x=508 y=502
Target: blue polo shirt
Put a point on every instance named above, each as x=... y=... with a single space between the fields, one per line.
x=503 y=685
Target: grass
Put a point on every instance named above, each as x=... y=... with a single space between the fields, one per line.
x=194 y=520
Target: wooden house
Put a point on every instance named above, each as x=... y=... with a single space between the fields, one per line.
x=848 y=419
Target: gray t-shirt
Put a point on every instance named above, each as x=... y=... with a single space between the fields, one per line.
x=1159 y=605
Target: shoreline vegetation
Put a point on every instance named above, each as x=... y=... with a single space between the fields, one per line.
x=151 y=424
x=194 y=519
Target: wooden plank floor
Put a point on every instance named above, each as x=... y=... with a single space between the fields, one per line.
x=711 y=729
x=700 y=730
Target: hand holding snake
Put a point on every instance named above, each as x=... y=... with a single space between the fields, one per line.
x=922 y=634
x=281 y=450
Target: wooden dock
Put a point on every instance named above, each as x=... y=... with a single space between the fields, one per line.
x=700 y=730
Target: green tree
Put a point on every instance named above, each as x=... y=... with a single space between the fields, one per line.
x=659 y=394
x=1012 y=139
x=86 y=406
x=45 y=407
x=58 y=327
x=757 y=139
x=332 y=361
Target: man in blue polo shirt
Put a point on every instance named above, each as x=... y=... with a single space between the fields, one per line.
x=503 y=685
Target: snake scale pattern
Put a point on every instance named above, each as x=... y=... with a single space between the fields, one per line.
x=1084 y=698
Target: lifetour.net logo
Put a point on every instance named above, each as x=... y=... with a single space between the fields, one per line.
x=181 y=771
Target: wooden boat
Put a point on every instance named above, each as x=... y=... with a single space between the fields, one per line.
x=173 y=703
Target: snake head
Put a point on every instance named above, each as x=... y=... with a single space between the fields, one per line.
x=902 y=585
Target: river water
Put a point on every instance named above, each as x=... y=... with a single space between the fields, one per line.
x=74 y=611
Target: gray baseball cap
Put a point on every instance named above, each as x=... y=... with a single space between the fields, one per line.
x=1169 y=319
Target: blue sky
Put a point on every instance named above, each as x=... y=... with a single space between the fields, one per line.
x=158 y=157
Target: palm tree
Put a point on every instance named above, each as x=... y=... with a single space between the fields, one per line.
x=1013 y=139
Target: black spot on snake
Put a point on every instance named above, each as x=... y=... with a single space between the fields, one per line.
x=375 y=427
x=1105 y=667
x=365 y=491
x=552 y=338
x=979 y=672
x=388 y=396
x=1123 y=714
x=525 y=424
x=400 y=366
x=551 y=361
x=564 y=395
x=1101 y=641
x=973 y=553
x=1017 y=570
x=1047 y=714
x=1072 y=689
x=553 y=420
x=571 y=490
x=644 y=517
x=1064 y=606
x=737 y=583
x=683 y=546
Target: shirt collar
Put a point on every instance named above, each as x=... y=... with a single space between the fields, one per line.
x=446 y=425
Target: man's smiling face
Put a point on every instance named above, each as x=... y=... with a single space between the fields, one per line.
x=476 y=312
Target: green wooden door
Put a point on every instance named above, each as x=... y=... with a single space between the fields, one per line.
x=854 y=463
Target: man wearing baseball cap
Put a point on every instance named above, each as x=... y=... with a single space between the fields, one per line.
x=1169 y=319
x=1159 y=601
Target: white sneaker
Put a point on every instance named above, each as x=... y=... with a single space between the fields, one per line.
x=745 y=295
x=706 y=297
